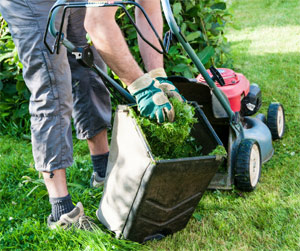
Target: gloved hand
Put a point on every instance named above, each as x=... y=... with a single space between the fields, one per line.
x=165 y=85
x=152 y=102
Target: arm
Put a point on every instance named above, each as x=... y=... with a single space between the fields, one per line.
x=152 y=59
x=108 y=39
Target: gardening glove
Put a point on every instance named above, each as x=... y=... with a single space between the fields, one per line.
x=152 y=102
x=165 y=85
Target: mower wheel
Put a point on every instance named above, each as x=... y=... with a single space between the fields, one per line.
x=247 y=165
x=276 y=120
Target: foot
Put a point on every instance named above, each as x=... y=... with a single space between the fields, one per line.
x=75 y=218
x=97 y=180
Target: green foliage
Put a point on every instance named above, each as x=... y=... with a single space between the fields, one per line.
x=14 y=95
x=219 y=150
x=172 y=140
x=203 y=24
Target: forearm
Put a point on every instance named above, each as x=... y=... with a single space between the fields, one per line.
x=152 y=59
x=110 y=43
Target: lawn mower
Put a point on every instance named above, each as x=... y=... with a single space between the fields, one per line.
x=228 y=101
x=145 y=198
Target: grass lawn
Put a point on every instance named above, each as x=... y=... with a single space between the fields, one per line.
x=266 y=48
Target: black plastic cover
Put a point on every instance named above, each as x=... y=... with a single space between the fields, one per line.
x=252 y=102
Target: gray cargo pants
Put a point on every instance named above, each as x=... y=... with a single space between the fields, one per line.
x=59 y=86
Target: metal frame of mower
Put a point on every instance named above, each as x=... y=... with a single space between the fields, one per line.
x=248 y=140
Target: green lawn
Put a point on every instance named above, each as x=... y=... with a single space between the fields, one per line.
x=266 y=47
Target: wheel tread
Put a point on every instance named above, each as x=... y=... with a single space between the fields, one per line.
x=242 y=175
x=272 y=120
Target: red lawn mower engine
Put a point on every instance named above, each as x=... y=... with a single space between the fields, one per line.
x=242 y=96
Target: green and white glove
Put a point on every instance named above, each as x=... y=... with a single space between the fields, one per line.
x=165 y=85
x=152 y=102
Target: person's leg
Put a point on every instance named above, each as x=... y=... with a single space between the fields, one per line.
x=56 y=185
x=92 y=106
x=58 y=193
x=152 y=59
x=98 y=144
x=108 y=39
x=48 y=78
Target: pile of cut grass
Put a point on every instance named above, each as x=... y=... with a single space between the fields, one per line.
x=171 y=140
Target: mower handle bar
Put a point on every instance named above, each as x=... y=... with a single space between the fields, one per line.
x=59 y=36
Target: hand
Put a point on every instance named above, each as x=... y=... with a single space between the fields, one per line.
x=152 y=102
x=165 y=85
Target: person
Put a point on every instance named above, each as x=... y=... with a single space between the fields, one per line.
x=60 y=87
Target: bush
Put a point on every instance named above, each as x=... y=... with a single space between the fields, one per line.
x=14 y=96
x=202 y=23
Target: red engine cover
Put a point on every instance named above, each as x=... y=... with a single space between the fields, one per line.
x=236 y=86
